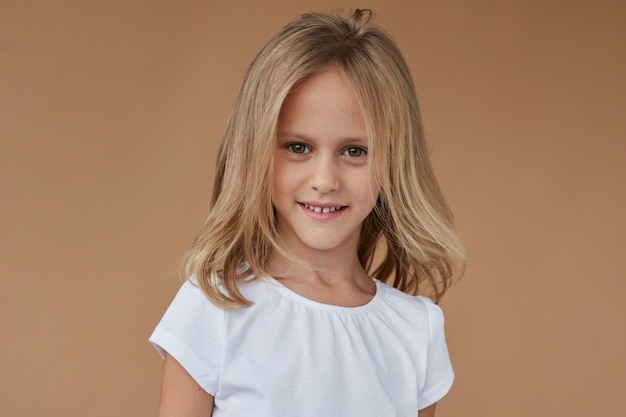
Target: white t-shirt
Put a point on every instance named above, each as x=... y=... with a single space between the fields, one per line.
x=287 y=355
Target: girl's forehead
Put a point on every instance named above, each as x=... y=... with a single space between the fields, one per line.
x=369 y=96
x=323 y=105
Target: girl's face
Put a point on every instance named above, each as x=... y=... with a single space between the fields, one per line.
x=321 y=187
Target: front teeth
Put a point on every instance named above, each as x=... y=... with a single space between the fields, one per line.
x=322 y=210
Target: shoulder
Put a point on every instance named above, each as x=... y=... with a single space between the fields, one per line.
x=416 y=308
x=190 y=311
x=252 y=288
x=416 y=302
x=191 y=297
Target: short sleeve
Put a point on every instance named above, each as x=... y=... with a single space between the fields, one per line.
x=191 y=332
x=439 y=373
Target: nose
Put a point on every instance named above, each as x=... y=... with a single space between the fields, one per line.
x=324 y=175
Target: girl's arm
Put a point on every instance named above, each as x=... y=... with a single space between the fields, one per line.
x=181 y=396
x=428 y=411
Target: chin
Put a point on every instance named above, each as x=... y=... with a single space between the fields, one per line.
x=324 y=243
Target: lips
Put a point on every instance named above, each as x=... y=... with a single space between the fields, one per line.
x=321 y=209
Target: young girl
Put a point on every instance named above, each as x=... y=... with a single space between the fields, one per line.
x=323 y=181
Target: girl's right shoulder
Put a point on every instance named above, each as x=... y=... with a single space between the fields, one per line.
x=252 y=288
x=191 y=332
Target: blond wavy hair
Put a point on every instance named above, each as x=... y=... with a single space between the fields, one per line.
x=408 y=240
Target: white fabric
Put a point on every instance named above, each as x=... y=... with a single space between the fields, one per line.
x=290 y=356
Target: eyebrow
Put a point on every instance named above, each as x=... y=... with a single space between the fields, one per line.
x=306 y=138
x=294 y=135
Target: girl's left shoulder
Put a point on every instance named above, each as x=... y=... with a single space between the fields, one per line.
x=415 y=303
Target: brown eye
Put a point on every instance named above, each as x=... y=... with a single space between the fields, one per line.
x=355 y=152
x=298 y=148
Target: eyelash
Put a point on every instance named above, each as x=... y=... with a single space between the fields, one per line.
x=361 y=151
x=305 y=149
x=291 y=147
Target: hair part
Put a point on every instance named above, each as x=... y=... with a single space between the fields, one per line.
x=411 y=227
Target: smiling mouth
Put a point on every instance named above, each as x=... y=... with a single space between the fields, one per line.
x=322 y=209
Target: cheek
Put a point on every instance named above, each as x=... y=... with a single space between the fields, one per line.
x=282 y=183
x=276 y=177
x=369 y=187
x=285 y=172
x=371 y=202
x=277 y=182
x=367 y=197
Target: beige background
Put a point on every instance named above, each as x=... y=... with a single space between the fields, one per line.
x=109 y=116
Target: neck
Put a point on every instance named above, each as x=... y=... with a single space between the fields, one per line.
x=342 y=282
x=332 y=269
